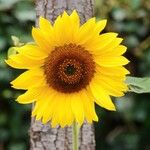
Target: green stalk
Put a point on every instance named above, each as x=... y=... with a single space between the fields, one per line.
x=75 y=133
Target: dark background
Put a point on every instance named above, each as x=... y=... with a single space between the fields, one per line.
x=126 y=129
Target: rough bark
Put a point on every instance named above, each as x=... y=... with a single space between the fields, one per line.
x=43 y=137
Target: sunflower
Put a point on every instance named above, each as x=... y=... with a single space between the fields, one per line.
x=69 y=69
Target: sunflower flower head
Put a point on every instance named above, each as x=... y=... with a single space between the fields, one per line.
x=69 y=69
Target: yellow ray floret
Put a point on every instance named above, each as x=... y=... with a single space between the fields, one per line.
x=70 y=67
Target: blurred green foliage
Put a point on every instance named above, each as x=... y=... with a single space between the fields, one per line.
x=16 y=18
x=126 y=129
x=129 y=127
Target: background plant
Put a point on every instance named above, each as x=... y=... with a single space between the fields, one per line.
x=126 y=129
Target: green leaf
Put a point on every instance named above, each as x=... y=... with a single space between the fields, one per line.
x=138 y=85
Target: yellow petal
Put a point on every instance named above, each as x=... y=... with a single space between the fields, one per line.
x=29 y=79
x=41 y=40
x=47 y=116
x=85 y=31
x=55 y=119
x=105 y=50
x=92 y=32
x=57 y=22
x=77 y=107
x=74 y=25
x=42 y=108
x=111 y=61
x=54 y=122
x=113 y=49
x=75 y=20
x=100 y=26
x=101 y=96
x=47 y=30
x=44 y=103
x=68 y=111
x=32 y=51
x=102 y=42
x=112 y=71
x=60 y=109
x=65 y=28
x=63 y=112
x=112 y=89
x=89 y=107
x=20 y=61
x=116 y=83
x=59 y=27
x=45 y=25
x=31 y=95
x=119 y=50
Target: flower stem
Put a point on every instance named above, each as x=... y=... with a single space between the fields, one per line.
x=75 y=133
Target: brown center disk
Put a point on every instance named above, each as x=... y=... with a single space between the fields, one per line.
x=69 y=68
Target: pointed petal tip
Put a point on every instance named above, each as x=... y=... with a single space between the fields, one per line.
x=112 y=109
x=95 y=118
x=127 y=72
x=94 y=19
x=125 y=47
x=74 y=11
x=104 y=21
x=33 y=114
x=12 y=82
x=9 y=62
x=63 y=125
x=38 y=118
x=53 y=125
x=41 y=18
x=22 y=102
x=33 y=29
x=126 y=60
x=18 y=101
x=16 y=86
x=64 y=13
x=12 y=86
x=74 y=14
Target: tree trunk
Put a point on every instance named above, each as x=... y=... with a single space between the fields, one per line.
x=43 y=137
